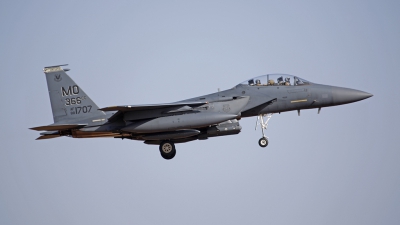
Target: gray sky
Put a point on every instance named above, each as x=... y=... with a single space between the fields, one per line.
x=339 y=167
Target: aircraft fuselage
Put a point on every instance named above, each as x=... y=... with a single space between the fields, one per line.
x=76 y=115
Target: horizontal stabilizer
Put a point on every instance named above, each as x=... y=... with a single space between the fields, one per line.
x=48 y=136
x=147 y=107
x=52 y=127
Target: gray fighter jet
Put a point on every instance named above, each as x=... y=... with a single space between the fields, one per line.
x=217 y=114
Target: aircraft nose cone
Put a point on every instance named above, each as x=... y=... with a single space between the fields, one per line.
x=347 y=95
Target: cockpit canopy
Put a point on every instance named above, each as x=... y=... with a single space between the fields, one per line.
x=275 y=80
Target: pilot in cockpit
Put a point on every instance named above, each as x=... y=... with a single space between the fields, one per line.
x=280 y=81
x=287 y=81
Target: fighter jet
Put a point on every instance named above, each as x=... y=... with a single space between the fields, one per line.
x=76 y=115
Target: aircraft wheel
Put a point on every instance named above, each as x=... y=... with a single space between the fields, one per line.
x=167 y=150
x=263 y=142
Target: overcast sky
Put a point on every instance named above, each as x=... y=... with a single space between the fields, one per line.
x=338 y=167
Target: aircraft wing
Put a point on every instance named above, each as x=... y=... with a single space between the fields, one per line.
x=149 y=107
x=54 y=127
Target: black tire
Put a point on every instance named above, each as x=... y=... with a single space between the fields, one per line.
x=167 y=150
x=263 y=142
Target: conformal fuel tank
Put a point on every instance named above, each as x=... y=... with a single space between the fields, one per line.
x=185 y=121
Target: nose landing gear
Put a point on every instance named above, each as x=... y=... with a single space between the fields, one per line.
x=263 y=142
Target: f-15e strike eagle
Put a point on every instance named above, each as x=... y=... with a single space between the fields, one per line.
x=217 y=114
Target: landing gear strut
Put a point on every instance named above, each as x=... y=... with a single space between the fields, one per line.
x=263 y=142
x=167 y=149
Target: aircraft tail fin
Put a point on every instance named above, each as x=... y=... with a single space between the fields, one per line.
x=68 y=101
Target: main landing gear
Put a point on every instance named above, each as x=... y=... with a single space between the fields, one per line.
x=167 y=149
x=263 y=142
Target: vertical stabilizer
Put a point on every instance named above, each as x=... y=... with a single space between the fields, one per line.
x=69 y=102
